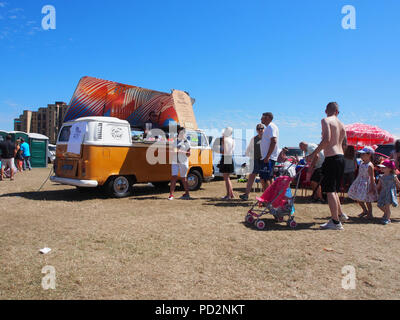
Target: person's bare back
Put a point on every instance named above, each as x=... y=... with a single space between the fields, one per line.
x=333 y=141
x=334 y=134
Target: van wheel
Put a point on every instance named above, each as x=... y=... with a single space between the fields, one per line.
x=194 y=180
x=119 y=187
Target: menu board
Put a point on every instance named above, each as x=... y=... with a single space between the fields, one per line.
x=78 y=131
x=184 y=109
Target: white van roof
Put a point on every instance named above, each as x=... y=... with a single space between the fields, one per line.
x=100 y=119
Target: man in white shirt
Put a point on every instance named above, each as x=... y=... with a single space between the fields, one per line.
x=180 y=163
x=269 y=149
x=314 y=171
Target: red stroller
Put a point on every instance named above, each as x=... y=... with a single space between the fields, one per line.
x=277 y=200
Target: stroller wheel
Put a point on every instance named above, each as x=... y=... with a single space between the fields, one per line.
x=292 y=224
x=260 y=224
x=249 y=219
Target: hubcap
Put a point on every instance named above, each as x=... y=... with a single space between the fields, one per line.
x=121 y=185
x=192 y=180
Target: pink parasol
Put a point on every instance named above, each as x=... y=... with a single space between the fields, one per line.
x=360 y=135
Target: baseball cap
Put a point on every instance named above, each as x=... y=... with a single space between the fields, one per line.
x=388 y=164
x=367 y=150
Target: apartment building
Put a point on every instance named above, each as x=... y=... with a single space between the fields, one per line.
x=46 y=121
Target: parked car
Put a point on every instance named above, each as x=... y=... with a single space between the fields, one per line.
x=295 y=151
x=240 y=160
x=51 y=153
x=385 y=149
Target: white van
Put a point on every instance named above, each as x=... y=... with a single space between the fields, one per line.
x=99 y=152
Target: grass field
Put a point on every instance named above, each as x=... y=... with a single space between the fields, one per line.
x=146 y=247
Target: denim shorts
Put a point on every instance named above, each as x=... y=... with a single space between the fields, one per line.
x=180 y=169
x=267 y=170
x=257 y=165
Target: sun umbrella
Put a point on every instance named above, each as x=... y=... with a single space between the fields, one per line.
x=360 y=135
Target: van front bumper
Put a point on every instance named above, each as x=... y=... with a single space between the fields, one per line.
x=75 y=182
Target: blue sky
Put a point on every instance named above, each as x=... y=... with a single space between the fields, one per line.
x=238 y=59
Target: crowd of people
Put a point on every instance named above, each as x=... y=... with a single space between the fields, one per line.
x=14 y=157
x=330 y=165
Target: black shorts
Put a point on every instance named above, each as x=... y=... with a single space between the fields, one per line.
x=226 y=165
x=317 y=175
x=332 y=171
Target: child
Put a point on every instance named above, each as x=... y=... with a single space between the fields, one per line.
x=363 y=189
x=387 y=189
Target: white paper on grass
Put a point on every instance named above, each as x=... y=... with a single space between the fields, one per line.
x=78 y=131
x=45 y=250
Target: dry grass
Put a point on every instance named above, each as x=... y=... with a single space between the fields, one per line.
x=146 y=247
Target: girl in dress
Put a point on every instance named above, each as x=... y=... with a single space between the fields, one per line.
x=387 y=189
x=363 y=189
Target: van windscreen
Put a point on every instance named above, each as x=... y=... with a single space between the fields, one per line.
x=64 y=134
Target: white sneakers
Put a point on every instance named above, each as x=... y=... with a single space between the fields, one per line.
x=330 y=225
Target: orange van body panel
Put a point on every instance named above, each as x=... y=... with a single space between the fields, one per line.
x=99 y=162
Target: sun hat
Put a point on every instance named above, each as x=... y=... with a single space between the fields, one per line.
x=388 y=164
x=367 y=150
x=227 y=132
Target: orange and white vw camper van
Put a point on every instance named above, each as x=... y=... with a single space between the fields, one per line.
x=99 y=152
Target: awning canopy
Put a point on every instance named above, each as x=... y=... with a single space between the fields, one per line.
x=97 y=97
x=360 y=135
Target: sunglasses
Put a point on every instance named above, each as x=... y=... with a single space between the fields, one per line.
x=260 y=128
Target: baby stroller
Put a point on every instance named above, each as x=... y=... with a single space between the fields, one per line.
x=277 y=200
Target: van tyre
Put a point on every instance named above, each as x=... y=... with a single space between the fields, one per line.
x=194 y=179
x=119 y=187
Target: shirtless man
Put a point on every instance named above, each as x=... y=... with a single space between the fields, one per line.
x=333 y=142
